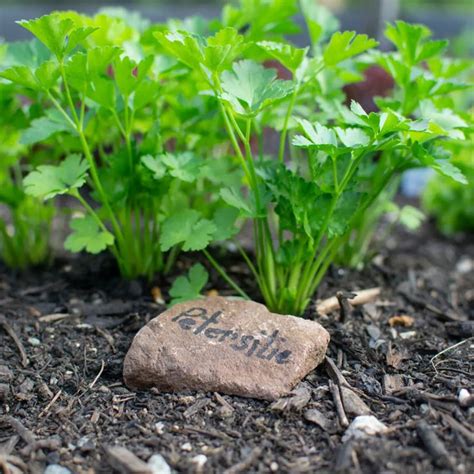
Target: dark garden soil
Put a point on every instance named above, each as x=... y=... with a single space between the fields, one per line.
x=62 y=400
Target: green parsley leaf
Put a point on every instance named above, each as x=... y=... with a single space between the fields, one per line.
x=44 y=127
x=59 y=35
x=187 y=228
x=129 y=75
x=412 y=42
x=345 y=45
x=186 y=288
x=224 y=220
x=184 y=166
x=155 y=165
x=250 y=87
x=285 y=53
x=48 y=181
x=430 y=157
x=87 y=235
x=319 y=20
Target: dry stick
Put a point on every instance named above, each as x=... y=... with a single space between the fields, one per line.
x=51 y=318
x=455 y=346
x=433 y=444
x=362 y=297
x=9 y=446
x=124 y=461
x=50 y=404
x=9 y=330
x=102 y=366
x=336 y=395
x=459 y=427
x=21 y=430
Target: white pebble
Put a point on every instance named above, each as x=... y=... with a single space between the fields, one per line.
x=463 y=396
x=199 y=460
x=158 y=465
x=56 y=469
x=159 y=428
x=36 y=342
x=365 y=425
x=187 y=447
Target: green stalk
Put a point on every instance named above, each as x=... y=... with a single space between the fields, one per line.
x=224 y=275
x=95 y=177
x=75 y=193
x=171 y=258
x=281 y=153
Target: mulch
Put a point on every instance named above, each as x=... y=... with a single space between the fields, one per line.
x=64 y=333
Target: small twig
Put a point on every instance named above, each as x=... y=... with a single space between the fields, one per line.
x=50 y=404
x=336 y=395
x=433 y=444
x=124 y=461
x=343 y=298
x=459 y=427
x=9 y=330
x=361 y=297
x=447 y=350
x=21 y=430
x=51 y=318
x=102 y=366
x=9 y=446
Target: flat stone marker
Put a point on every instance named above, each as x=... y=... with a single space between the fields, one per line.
x=217 y=344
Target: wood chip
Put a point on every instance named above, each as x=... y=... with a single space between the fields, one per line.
x=392 y=383
x=226 y=408
x=51 y=318
x=295 y=400
x=318 y=418
x=393 y=358
x=125 y=462
x=401 y=320
x=332 y=304
x=353 y=404
x=157 y=295
x=6 y=375
x=9 y=330
x=196 y=407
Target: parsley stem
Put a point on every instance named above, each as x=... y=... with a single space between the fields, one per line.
x=226 y=277
x=75 y=193
x=281 y=153
x=234 y=142
x=95 y=177
x=100 y=189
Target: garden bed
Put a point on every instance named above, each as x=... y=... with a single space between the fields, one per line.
x=66 y=403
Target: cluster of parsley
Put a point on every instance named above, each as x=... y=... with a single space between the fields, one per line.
x=166 y=135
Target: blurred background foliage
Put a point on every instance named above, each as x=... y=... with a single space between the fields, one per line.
x=447 y=18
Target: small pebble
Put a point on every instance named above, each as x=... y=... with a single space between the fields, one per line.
x=362 y=426
x=158 y=465
x=186 y=447
x=159 y=428
x=199 y=460
x=56 y=469
x=274 y=467
x=466 y=400
x=35 y=342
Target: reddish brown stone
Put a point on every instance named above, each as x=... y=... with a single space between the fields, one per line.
x=229 y=346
